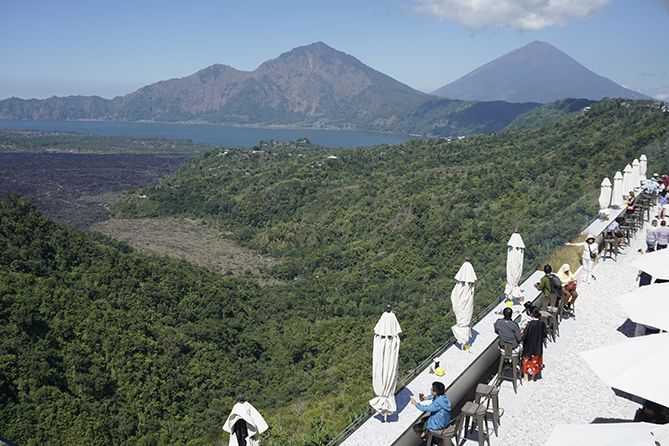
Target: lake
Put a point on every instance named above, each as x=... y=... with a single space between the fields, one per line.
x=210 y=134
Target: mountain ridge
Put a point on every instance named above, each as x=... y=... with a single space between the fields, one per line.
x=313 y=86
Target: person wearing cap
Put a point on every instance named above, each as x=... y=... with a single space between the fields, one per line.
x=568 y=285
x=588 y=256
x=439 y=410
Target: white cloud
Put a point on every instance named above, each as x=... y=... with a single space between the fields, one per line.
x=525 y=15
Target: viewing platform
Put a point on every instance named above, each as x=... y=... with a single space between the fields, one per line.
x=568 y=392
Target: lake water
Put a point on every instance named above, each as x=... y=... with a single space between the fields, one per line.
x=213 y=135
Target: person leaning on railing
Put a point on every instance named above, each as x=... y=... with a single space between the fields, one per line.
x=439 y=410
x=508 y=330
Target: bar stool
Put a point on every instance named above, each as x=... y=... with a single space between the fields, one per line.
x=449 y=433
x=610 y=248
x=548 y=316
x=489 y=394
x=554 y=310
x=510 y=356
x=477 y=413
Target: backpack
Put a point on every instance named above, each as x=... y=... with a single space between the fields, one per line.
x=556 y=284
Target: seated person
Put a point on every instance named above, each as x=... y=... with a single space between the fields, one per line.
x=508 y=330
x=616 y=231
x=568 y=286
x=439 y=409
x=631 y=203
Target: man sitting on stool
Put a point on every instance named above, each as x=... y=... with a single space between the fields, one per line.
x=508 y=331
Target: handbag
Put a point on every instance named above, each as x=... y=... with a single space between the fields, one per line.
x=593 y=255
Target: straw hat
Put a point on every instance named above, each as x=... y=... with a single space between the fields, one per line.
x=590 y=236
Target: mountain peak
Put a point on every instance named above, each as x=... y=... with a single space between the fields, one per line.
x=536 y=72
x=317 y=49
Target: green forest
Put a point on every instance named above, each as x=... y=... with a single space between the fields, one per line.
x=103 y=345
x=42 y=141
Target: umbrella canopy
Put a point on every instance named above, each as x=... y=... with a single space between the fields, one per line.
x=605 y=194
x=654 y=263
x=638 y=366
x=627 y=180
x=255 y=424
x=643 y=167
x=636 y=173
x=462 y=299
x=384 y=363
x=617 y=193
x=514 y=265
x=608 y=434
x=648 y=305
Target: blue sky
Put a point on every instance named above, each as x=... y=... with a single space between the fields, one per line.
x=110 y=48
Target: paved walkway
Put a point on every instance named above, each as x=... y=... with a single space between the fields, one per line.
x=570 y=393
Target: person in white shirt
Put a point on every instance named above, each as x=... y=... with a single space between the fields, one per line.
x=588 y=256
x=662 y=235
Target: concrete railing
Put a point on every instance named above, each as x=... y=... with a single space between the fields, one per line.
x=464 y=370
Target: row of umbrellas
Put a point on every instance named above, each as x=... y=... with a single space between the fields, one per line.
x=386 y=332
x=386 y=348
x=637 y=366
x=623 y=182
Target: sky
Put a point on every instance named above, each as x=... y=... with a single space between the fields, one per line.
x=111 y=48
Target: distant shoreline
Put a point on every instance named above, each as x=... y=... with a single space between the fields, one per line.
x=214 y=135
x=231 y=125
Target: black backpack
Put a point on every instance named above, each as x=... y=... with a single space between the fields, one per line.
x=556 y=284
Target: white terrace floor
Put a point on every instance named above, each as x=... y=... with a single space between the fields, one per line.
x=570 y=393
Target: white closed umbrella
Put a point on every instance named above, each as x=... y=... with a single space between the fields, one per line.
x=627 y=180
x=648 y=305
x=636 y=174
x=643 y=167
x=462 y=299
x=515 y=253
x=617 y=192
x=638 y=366
x=605 y=194
x=255 y=423
x=384 y=363
x=609 y=434
x=655 y=263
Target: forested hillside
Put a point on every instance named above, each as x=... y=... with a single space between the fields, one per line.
x=101 y=343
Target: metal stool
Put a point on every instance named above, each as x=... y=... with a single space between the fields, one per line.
x=489 y=393
x=477 y=413
x=509 y=355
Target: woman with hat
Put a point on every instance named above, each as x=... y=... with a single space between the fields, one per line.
x=588 y=256
x=568 y=285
